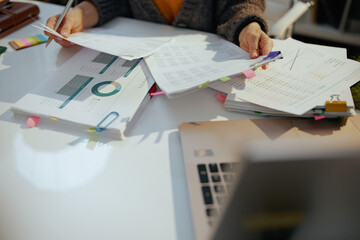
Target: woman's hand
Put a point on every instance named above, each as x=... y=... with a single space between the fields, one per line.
x=82 y=16
x=253 y=40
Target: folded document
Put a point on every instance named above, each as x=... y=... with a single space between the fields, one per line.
x=93 y=91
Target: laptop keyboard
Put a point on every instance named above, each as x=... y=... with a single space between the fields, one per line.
x=215 y=179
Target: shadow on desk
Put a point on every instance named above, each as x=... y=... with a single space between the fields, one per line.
x=21 y=76
x=183 y=218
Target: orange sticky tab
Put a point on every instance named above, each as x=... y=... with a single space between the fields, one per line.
x=19 y=43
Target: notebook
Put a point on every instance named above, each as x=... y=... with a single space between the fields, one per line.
x=212 y=155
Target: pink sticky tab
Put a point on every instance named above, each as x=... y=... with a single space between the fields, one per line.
x=26 y=42
x=32 y=121
x=319 y=117
x=157 y=93
x=249 y=74
x=221 y=97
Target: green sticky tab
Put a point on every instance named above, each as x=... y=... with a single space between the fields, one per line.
x=2 y=49
x=225 y=79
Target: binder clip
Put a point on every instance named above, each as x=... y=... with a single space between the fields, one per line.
x=271 y=57
x=335 y=106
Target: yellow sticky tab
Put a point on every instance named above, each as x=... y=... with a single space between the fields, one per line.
x=225 y=79
x=33 y=40
x=336 y=106
x=204 y=84
x=54 y=118
x=91 y=129
x=257 y=68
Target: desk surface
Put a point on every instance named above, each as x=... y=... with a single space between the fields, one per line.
x=55 y=184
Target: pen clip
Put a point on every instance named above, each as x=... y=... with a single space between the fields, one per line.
x=272 y=56
x=98 y=127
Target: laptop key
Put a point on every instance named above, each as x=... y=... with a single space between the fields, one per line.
x=202 y=173
x=216 y=178
x=213 y=167
x=219 y=189
x=207 y=195
x=228 y=167
x=220 y=199
x=228 y=177
x=212 y=212
x=212 y=223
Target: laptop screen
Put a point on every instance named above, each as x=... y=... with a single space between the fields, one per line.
x=287 y=191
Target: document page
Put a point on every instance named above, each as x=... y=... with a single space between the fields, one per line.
x=180 y=67
x=128 y=48
x=300 y=81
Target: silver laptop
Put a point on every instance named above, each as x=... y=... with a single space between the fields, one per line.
x=228 y=197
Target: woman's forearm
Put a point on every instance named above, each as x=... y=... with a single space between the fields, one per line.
x=90 y=14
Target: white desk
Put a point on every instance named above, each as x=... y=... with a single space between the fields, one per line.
x=57 y=184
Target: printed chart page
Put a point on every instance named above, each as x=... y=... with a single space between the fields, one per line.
x=300 y=81
x=89 y=87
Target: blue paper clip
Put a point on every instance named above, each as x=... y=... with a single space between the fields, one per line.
x=272 y=56
x=100 y=129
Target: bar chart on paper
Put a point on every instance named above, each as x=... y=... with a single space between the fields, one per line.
x=73 y=88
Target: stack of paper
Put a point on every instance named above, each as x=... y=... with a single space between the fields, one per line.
x=298 y=85
x=180 y=68
x=93 y=91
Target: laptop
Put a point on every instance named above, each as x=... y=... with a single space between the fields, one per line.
x=219 y=162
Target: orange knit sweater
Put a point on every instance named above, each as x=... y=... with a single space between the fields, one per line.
x=168 y=8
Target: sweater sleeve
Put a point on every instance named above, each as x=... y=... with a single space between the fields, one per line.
x=109 y=9
x=234 y=15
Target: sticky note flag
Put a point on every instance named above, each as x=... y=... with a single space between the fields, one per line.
x=2 y=49
x=204 y=84
x=249 y=74
x=225 y=79
x=32 y=121
x=221 y=97
x=157 y=93
x=91 y=129
x=319 y=117
x=27 y=42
